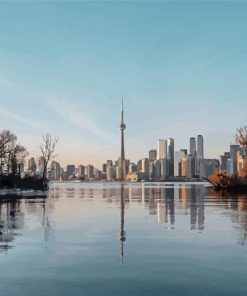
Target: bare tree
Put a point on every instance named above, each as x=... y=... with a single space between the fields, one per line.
x=7 y=144
x=18 y=159
x=241 y=138
x=47 y=148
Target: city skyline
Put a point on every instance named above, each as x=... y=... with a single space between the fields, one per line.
x=67 y=76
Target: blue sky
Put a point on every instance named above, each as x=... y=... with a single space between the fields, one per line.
x=181 y=67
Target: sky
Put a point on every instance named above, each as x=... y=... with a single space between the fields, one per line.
x=181 y=67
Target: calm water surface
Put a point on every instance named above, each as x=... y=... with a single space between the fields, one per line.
x=136 y=239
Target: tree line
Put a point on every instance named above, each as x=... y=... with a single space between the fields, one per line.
x=13 y=154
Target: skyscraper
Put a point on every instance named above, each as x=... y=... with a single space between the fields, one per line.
x=170 y=156
x=81 y=171
x=200 y=148
x=32 y=165
x=70 y=169
x=55 y=171
x=90 y=171
x=193 y=146
x=152 y=155
x=162 y=149
x=178 y=155
x=122 y=164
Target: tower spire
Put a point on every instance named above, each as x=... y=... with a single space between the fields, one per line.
x=122 y=110
x=122 y=155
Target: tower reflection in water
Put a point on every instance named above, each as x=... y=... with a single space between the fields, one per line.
x=167 y=203
x=122 y=231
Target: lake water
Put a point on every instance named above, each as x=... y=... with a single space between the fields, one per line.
x=131 y=239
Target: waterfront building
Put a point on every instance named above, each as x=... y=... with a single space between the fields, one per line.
x=170 y=156
x=234 y=149
x=145 y=167
x=152 y=155
x=118 y=172
x=162 y=149
x=200 y=147
x=110 y=173
x=208 y=167
x=139 y=165
x=164 y=168
x=132 y=167
x=55 y=171
x=151 y=170
x=122 y=128
x=188 y=166
x=241 y=164
x=81 y=171
x=90 y=172
x=230 y=167
x=32 y=166
x=70 y=170
x=127 y=162
x=98 y=175
x=135 y=176
x=109 y=162
x=223 y=161
x=157 y=170
x=178 y=155
x=61 y=173
x=184 y=151
x=41 y=165
x=193 y=147
x=104 y=165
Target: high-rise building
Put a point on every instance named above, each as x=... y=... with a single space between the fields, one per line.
x=164 y=168
x=98 y=175
x=162 y=149
x=81 y=171
x=32 y=165
x=90 y=172
x=234 y=149
x=152 y=155
x=193 y=147
x=41 y=165
x=145 y=167
x=241 y=164
x=188 y=166
x=122 y=128
x=118 y=172
x=157 y=170
x=223 y=161
x=132 y=168
x=170 y=156
x=178 y=155
x=208 y=167
x=139 y=165
x=104 y=165
x=151 y=170
x=70 y=170
x=55 y=171
x=109 y=162
x=110 y=173
x=200 y=147
x=127 y=162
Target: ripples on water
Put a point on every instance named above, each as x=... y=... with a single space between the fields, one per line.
x=139 y=239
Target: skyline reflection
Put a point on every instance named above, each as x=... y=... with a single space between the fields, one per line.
x=167 y=204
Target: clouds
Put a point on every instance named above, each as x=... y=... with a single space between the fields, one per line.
x=74 y=116
x=20 y=119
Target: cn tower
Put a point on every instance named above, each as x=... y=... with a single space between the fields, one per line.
x=122 y=157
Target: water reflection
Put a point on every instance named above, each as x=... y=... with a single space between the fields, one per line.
x=166 y=203
x=122 y=231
